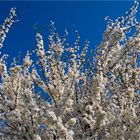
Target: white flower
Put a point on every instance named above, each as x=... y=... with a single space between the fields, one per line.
x=27 y=61
x=89 y=108
x=130 y=92
x=52 y=115
x=37 y=137
x=71 y=122
x=69 y=102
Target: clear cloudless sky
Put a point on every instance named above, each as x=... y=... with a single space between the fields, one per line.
x=85 y=16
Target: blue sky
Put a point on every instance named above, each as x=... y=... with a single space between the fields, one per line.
x=87 y=17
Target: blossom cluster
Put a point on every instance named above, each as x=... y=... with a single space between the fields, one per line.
x=93 y=98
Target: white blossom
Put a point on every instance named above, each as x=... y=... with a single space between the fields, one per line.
x=88 y=99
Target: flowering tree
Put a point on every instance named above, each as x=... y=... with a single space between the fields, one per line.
x=91 y=98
